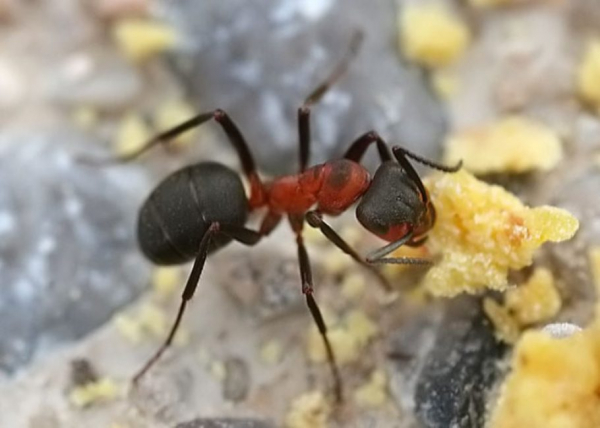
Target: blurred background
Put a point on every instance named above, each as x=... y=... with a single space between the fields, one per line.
x=95 y=78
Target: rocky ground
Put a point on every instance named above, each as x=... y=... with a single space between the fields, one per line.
x=75 y=287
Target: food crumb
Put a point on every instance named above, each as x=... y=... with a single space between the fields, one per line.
x=131 y=135
x=373 y=394
x=141 y=39
x=271 y=352
x=588 y=74
x=482 y=231
x=506 y=328
x=172 y=113
x=514 y=144
x=536 y=300
x=309 y=410
x=165 y=281
x=353 y=286
x=103 y=390
x=431 y=36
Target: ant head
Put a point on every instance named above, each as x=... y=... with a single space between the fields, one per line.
x=393 y=205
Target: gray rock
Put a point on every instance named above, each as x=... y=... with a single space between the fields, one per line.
x=226 y=423
x=454 y=368
x=68 y=257
x=100 y=80
x=265 y=283
x=570 y=259
x=259 y=60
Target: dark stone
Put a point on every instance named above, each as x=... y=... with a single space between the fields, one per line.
x=258 y=61
x=455 y=367
x=68 y=256
x=226 y=423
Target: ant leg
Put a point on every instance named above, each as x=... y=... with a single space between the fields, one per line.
x=378 y=256
x=188 y=292
x=317 y=94
x=233 y=134
x=314 y=219
x=361 y=144
x=307 y=290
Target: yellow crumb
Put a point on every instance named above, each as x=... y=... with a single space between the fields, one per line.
x=166 y=280
x=173 y=113
x=506 y=328
x=431 y=36
x=554 y=383
x=218 y=370
x=536 y=300
x=271 y=352
x=373 y=394
x=514 y=144
x=352 y=235
x=312 y=235
x=594 y=256
x=482 y=232
x=153 y=320
x=94 y=392
x=347 y=339
x=140 y=39
x=353 y=286
x=494 y=3
x=445 y=84
x=344 y=344
x=131 y=134
x=130 y=328
x=360 y=326
x=336 y=262
x=85 y=117
x=588 y=74
x=309 y=410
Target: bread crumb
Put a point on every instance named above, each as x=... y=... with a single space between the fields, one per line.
x=373 y=394
x=431 y=36
x=309 y=410
x=482 y=231
x=141 y=39
x=514 y=144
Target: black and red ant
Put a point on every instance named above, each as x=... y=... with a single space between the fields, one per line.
x=201 y=208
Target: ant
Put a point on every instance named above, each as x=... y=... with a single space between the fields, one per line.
x=203 y=207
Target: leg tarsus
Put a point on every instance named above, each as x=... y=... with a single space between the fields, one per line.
x=357 y=149
x=316 y=95
x=307 y=290
x=315 y=220
x=187 y=294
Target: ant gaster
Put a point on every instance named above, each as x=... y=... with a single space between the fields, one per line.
x=202 y=207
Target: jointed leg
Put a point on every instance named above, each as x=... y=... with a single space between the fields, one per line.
x=307 y=290
x=361 y=144
x=233 y=134
x=316 y=95
x=314 y=219
x=239 y=233
x=188 y=292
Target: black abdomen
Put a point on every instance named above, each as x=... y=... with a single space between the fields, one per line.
x=179 y=211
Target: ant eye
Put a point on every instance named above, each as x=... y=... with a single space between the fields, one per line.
x=391 y=204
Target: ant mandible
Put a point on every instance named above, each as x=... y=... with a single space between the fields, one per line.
x=200 y=208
